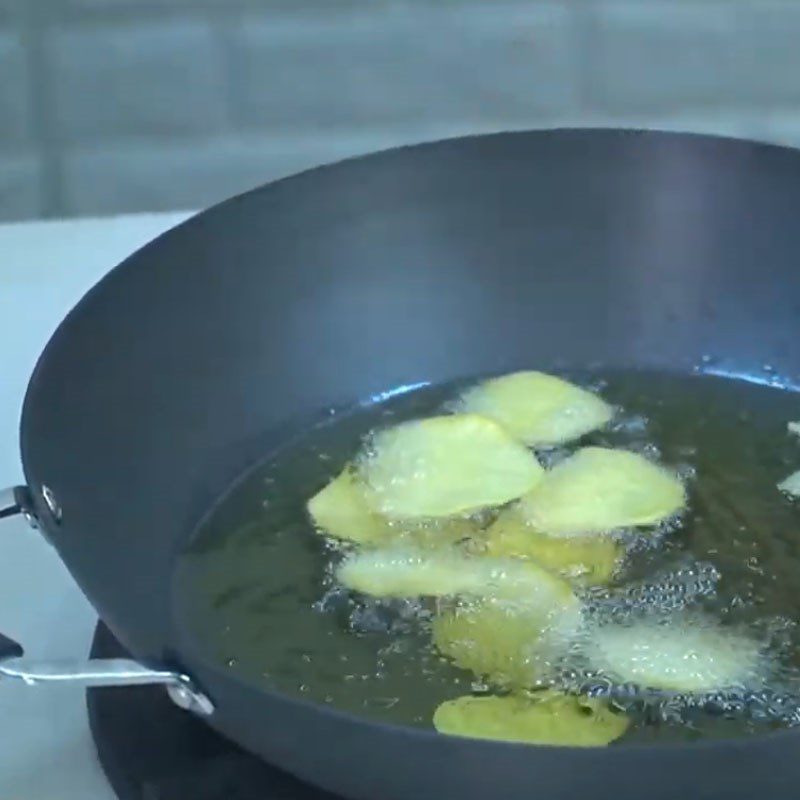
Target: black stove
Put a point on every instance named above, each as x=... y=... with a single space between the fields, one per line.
x=151 y=750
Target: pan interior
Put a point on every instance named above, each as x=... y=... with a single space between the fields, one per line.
x=254 y=590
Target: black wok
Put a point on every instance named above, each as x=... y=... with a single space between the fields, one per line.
x=194 y=358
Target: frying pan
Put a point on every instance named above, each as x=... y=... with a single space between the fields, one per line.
x=197 y=355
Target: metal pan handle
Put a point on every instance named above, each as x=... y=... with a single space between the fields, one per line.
x=12 y=501
x=91 y=672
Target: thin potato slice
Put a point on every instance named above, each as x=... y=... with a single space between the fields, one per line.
x=509 y=643
x=442 y=466
x=404 y=572
x=684 y=653
x=340 y=510
x=598 y=490
x=589 y=561
x=543 y=718
x=537 y=408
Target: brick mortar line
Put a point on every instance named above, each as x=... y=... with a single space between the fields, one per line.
x=254 y=135
x=224 y=23
x=154 y=11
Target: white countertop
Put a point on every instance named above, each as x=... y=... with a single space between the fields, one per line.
x=45 y=267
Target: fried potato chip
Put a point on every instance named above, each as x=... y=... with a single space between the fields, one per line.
x=537 y=408
x=598 y=490
x=443 y=466
x=544 y=718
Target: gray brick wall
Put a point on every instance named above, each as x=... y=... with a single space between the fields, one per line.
x=113 y=82
x=15 y=128
x=125 y=105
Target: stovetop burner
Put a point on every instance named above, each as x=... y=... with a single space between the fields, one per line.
x=151 y=750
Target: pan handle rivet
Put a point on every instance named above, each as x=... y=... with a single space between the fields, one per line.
x=183 y=693
x=52 y=504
